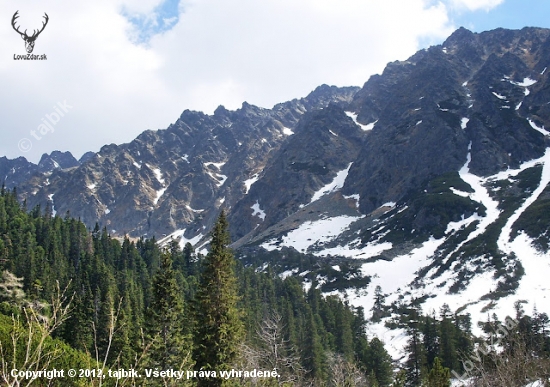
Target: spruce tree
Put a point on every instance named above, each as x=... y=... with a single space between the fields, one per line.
x=166 y=320
x=189 y=259
x=431 y=336
x=380 y=362
x=219 y=328
x=439 y=376
x=448 y=354
x=416 y=360
x=313 y=354
x=378 y=309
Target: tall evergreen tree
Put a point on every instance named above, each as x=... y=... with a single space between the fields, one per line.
x=313 y=354
x=463 y=329
x=431 y=336
x=448 y=353
x=219 y=328
x=378 y=309
x=380 y=362
x=170 y=344
x=415 y=363
x=189 y=259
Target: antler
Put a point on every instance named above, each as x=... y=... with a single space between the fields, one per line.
x=35 y=34
x=24 y=34
x=13 y=19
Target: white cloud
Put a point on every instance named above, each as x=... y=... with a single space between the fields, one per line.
x=219 y=52
x=476 y=5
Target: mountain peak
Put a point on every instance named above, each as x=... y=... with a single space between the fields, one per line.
x=57 y=160
x=460 y=36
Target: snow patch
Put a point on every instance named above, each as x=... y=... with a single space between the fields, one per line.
x=288 y=273
x=220 y=179
x=183 y=240
x=481 y=195
x=258 y=211
x=367 y=127
x=370 y=250
x=313 y=233
x=333 y=186
x=392 y=276
x=159 y=193
x=459 y=193
x=158 y=175
x=464 y=122
x=287 y=131
x=499 y=96
x=192 y=209
x=160 y=179
x=525 y=83
x=538 y=128
x=248 y=183
x=50 y=197
x=356 y=197
x=463 y=223
x=504 y=238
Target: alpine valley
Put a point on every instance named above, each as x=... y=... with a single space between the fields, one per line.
x=430 y=181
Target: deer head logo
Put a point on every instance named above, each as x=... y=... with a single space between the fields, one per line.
x=29 y=40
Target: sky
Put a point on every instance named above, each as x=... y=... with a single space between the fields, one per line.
x=116 y=68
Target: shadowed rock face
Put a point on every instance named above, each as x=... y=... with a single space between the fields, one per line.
x=431 y=107
x=326 y=142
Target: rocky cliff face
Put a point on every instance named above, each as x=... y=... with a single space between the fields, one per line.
x=474 y=89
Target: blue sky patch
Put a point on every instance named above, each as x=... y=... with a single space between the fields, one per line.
x=163 y=18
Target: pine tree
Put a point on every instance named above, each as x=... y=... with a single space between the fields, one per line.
x=218 y=320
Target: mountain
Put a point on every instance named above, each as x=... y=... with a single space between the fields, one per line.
x=56 y=160
x=430 y=181
x=171 y=179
